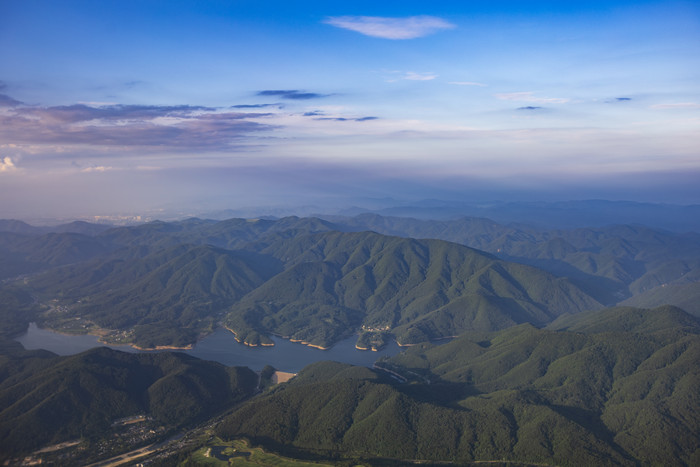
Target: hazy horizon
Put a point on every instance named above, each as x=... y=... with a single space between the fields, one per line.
x=132 y=107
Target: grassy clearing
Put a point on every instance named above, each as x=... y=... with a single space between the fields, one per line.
x=239 y=453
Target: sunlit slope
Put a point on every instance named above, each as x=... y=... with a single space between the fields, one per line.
x=611 y=263
x=416 y=289
x=520 y=394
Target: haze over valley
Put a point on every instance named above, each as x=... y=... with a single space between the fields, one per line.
x=357 y=234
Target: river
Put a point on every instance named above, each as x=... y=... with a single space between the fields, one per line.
x=220 y=346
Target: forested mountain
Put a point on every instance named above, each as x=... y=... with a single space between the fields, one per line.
x=46 y=399
x=329 y=279
x=415 y=289
x=617 y=394
x=25 y=254
x=538 y=371
x=314 y=287
x=610 y=263
x=166 y=298
x=553 y=215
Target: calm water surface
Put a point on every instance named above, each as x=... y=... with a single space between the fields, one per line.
x=223 y=348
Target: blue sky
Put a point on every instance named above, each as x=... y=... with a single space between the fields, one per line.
x=118 y=106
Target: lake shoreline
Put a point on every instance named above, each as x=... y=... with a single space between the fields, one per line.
x=220 y=347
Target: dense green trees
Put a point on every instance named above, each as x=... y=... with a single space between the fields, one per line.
x=47 y=399
x=622 y=394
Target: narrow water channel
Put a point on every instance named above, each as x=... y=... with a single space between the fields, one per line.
x=221 y=347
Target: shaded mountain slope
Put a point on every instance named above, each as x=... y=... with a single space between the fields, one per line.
x=47 y=399
x=24 y=254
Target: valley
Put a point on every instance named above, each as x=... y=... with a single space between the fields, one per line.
x=491 y=342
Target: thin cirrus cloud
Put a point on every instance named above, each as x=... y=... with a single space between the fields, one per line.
x=346 y=119
x=467 y=83
x=7 y=101
x=528 y=96
x=677 y=105
x=174 y=127
x=292 y=94
x=256 y=106
x=412 y=76
x=99 y=168
x=112 y=112
x=395 y=76
x=411 y=27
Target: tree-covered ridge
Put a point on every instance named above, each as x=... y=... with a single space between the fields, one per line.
x=168 y=298
x=331 y=279
x=611 y=263
x=618 y=397
x=291 y=280
x=45 y=399
x=415 y=289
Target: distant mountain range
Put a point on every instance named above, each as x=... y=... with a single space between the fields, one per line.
x=548 y=215
x=541 y=370
x=316 y=281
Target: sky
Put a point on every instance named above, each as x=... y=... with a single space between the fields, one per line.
x=129 y=106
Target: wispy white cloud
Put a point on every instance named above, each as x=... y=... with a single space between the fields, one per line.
x=120 y=126
x=410 y=76
x=528 y=96
x=99 y=168
x=677 y=105
x=391 y=28
x=467 y=83
x=6 y=165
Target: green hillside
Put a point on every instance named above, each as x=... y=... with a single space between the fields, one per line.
x=166 y=298
x=46 y=399
x=686 y=296
x=229 y=234
x=415 y=289
x=23 y=253
x=17 y=310
x=628 y=319
x=316 y=287
x=610 y=263
x=614 y=397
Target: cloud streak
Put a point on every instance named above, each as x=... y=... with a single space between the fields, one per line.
x=410 y=76
x=677 y=105
x=528 y=96
x=292 y=94
x=7 y=101
x=173 y=127
x=391 y=28
x=467 y=83
x=345 y=119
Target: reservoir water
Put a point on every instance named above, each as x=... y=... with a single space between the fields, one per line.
x=220 y=346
